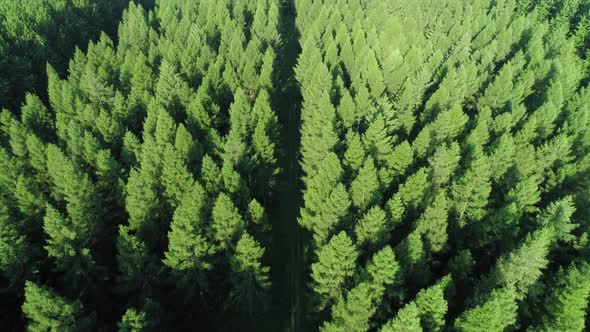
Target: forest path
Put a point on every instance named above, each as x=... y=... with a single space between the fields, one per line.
x=288 y=258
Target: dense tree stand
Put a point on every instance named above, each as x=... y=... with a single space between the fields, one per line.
x=295 y=165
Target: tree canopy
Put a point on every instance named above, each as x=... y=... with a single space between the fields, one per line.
x=306 y=165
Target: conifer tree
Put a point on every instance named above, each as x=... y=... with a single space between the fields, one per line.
x=377 y=140
x=354 y=312
x=132 y=321
x=188 y=247
x=496 y=313
x=14 y=248
x=566 y=306
x=354 y=156
x=335 y=264
x=433 y=306
x=443 y=164
x=406 y=319
x=176 y=178
x=433 y=223
x=373 y=228
x=47 y=311
x=319 y=190
x=227 y=224
x=318 y=136
x=67 y=242
x=365 y=188
x=471 y=191
x=250 y=279
x=384 y=271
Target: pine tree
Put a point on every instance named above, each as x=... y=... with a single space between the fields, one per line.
x=346 y=110
x=142 y=200
x=132 y=321
x=265 y=157
x=395 y=210
x=472 y=190
x=83 y=202
x=558 y=216
x=250 y=279
x=336 y=263
x=412 y=254
x=210 y=175
x=520 y=268
x=415 y=190
x=383 y=269
x=15 y=252
x=372 y=73
x=319 y=188
x=407 y=319
x=443 y=164
x=354 y=312
x=496 y=313
x=433 y=223
x=171 y=90
x=188 y=248
x=176 y=178
x=433 y=306
x=258 y=220
x=47 y=311
x=333 y=215
x=189 y=149
x=136 y=265
x=365 y=188
x=318 y=134
x=30 y=199
x=400 y=159
x=373 y=228
x=377 y=141
x=565 y=309
x=67 y=243
x=502 y=156
x=227 y=224
x=354 y=156
x=36 y=117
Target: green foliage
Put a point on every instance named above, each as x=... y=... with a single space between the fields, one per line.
x=406 y=319
x=250 y=279
x=472 y=190
x=14 y=249
x=132 y=321
x=227 y=224
x=47 y=311
x=335 y=264
x=37 y=32
x=154 y=168
x=496 y=313
x=373 y=228
x=565 y=308
x=352 y=313
x=433 y=306
x=188 y=248
x=364 y=189
x=384 y=271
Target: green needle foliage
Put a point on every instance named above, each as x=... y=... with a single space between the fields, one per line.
x=463 y=147
x=306 y=165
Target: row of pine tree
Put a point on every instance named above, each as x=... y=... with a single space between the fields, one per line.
x=140 y=190
x=444 y=157
x=444 y=149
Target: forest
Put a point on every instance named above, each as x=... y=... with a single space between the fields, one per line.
x=295 y=165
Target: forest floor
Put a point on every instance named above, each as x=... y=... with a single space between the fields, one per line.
x=288 y=265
